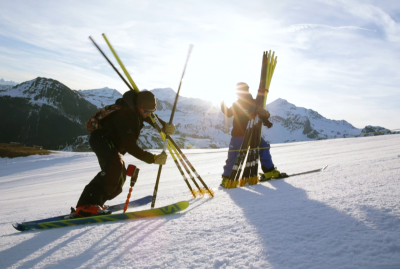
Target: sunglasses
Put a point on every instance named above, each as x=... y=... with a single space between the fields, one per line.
x=148 y=111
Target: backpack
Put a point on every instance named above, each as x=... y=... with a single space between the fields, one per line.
x=94 y=122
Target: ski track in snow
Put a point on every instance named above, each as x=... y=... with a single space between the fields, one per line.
x=345 y=217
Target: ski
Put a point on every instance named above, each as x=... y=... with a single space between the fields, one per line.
x=156 y=212
x=263 y=179
x=135 y=203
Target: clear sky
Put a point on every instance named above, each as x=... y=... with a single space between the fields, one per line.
x=340 y=58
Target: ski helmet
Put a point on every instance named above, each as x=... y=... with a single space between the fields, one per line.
x=146 y=100
x=242 y=87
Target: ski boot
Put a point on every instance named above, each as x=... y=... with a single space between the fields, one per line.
x=224 y=183
x=90 y=211
x=272 y=174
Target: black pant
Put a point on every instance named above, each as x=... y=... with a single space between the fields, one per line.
x=107 y=184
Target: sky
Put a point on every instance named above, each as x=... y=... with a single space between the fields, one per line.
x=340 y=58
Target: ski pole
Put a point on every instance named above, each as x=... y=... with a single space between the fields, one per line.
x=210 y=192
x=171 y=148
x=116 y=70
x=132 y=172
x=170 y=122
x=201 y=191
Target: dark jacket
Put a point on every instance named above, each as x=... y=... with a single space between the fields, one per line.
x=123 y=127
x=241 y=110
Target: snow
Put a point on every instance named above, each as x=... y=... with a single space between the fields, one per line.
x=345 y=217
x=101 y=97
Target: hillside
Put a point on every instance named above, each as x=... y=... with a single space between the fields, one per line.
x=43 y=112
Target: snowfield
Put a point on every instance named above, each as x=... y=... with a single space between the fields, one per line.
x=345 y=217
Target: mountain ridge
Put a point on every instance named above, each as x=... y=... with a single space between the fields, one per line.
x=199 y=123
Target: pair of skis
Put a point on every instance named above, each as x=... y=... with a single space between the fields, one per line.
x=252 y=137
x=172 y=147
x=66 y=220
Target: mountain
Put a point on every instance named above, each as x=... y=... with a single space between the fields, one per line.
x=4 y=87
x=3 y=82
x=293 y=123
x=44 y=112
x=198 y=122
x=101 y=97
x=201 y=124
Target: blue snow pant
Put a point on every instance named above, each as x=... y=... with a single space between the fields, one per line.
x=235 y=144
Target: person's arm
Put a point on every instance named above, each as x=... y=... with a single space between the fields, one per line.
x=264 y=115
x=228 y=112
x=136 y=151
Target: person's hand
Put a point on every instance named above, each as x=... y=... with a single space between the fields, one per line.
x=169 y=129
x=160 y=158
x=263 y=113
x=223 y=106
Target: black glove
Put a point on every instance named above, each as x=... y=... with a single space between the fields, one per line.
x=263 y=113
x=268 y=123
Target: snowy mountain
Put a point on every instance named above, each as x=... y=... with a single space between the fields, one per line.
x=11 y=83
x=199 y=123
x=44 y=112
x=293 y=123
x=101 y=97
x=4 y=87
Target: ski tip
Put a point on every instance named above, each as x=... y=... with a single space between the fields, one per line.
x=183 y=204
x=18 y=226
x=324 y=168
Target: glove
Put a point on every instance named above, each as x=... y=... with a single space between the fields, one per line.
x=268 y=123
x=160 y=158
x=169 y=129
x=263 y=113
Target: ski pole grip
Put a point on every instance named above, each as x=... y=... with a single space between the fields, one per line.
x=134 y=177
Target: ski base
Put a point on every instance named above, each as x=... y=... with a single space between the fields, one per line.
x=156 y=212
x=284 y=175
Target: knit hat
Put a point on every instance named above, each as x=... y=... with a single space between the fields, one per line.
x=146 y=100
x=242 y=87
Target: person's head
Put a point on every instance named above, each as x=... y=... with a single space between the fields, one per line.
x=146 y=103
x=242 y=89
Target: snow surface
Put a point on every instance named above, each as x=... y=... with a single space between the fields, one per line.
x=345 y=217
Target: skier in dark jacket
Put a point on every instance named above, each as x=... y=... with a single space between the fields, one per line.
x=118 y=135
x=241 y=111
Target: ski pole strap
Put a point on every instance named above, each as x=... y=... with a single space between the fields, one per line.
x=263 y=90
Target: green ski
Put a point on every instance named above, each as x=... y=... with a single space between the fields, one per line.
x=156 y=212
